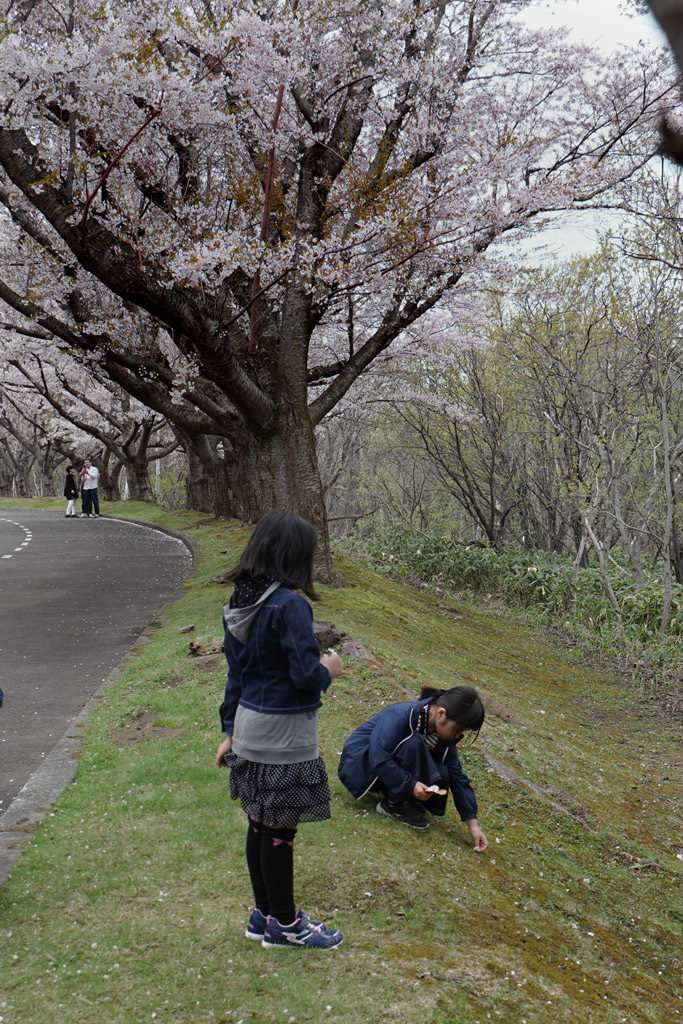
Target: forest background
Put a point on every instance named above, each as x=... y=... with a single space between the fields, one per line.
x=259 y=259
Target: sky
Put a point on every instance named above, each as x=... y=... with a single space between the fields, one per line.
x=605 y=24
x=600 y=22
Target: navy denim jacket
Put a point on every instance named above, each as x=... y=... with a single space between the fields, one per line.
x=277 y=670
x=369 y=751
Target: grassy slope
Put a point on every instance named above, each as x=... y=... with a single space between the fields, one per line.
x=131 y=900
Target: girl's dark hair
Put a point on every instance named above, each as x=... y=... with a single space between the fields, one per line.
x=462 y=704
x=282 y=546
x=69 y=468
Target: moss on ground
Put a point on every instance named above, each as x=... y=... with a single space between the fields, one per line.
x=130 y=902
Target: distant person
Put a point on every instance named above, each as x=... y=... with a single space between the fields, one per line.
x=270 y=716
x=90 y=476
x=71 y=492
x=407 y=754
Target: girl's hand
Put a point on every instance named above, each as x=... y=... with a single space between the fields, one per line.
x=478 y=838
x=421 y=792
x=332 y=663
x=225 y=748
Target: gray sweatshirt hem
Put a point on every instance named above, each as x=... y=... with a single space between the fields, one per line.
x=275 y=739
x=270 y=756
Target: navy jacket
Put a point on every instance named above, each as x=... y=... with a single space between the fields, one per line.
x=277 y=670
x=369 y=755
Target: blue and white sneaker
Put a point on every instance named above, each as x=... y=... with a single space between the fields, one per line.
x=256 y=927
x=303 y=932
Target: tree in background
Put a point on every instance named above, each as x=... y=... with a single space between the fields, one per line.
x=273 y=197
x=84 y=400
x=27 y=459
x=562 y=431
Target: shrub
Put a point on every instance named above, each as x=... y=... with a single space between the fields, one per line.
x=170 y=487
x=532 y=580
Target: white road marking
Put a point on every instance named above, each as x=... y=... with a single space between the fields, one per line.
x=28 y=536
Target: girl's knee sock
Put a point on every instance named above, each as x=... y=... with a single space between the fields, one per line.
x=277 y=869
x=254 y=838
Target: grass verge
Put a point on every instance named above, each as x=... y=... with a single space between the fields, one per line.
x=130 y=902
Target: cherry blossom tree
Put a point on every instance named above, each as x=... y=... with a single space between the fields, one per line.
x=238 y=207
x=130 y=435
x=29 y=455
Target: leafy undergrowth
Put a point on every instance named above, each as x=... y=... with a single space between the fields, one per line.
x=131 y=901
x=540 y=587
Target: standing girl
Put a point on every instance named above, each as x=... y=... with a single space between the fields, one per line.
x=270 y=716
x=407 y=752
x=71 y=492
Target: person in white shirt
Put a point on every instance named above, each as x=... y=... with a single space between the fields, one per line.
x=89 y=479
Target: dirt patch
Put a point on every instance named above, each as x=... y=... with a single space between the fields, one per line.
x=196 y=650
x=143 y=729
x=355 y=649
x=222 y=577
x=209 y=661
x=330 y=636
x=500 y=711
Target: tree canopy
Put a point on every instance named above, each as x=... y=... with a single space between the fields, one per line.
x=235 y=208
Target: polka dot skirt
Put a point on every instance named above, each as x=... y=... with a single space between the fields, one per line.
x=280 y=794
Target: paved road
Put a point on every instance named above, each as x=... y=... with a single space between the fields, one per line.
x=75 y=595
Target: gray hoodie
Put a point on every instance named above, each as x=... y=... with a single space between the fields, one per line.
x=238 y=620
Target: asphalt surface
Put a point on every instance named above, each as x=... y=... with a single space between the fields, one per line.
x=75 y=594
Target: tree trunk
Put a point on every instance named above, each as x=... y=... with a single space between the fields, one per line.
x=677 y=549
x=21 y=487
x=602 y=561
x=257 y=473
x=206 y=484
x=281 y=471
x=663 y=385
x=139 y=485
x=108 y=483
x=5 y=482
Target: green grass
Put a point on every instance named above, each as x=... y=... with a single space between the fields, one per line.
x=130 y=902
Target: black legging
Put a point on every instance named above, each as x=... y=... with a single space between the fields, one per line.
x=271 y=869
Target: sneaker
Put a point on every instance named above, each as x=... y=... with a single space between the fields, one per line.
x=405 y=811
x=96 y=515
x=303 y=932
x=256 y=928
x=84 y=515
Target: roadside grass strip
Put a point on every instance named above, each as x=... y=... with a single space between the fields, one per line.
x=131 y=900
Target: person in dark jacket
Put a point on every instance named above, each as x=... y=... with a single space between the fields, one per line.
x=270 y=717
x=71 y=492
x=407 y=752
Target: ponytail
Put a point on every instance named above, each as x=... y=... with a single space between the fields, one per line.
x=429 y=691
x=462 y=704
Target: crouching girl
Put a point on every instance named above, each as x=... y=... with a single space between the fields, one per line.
x=407 y=753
